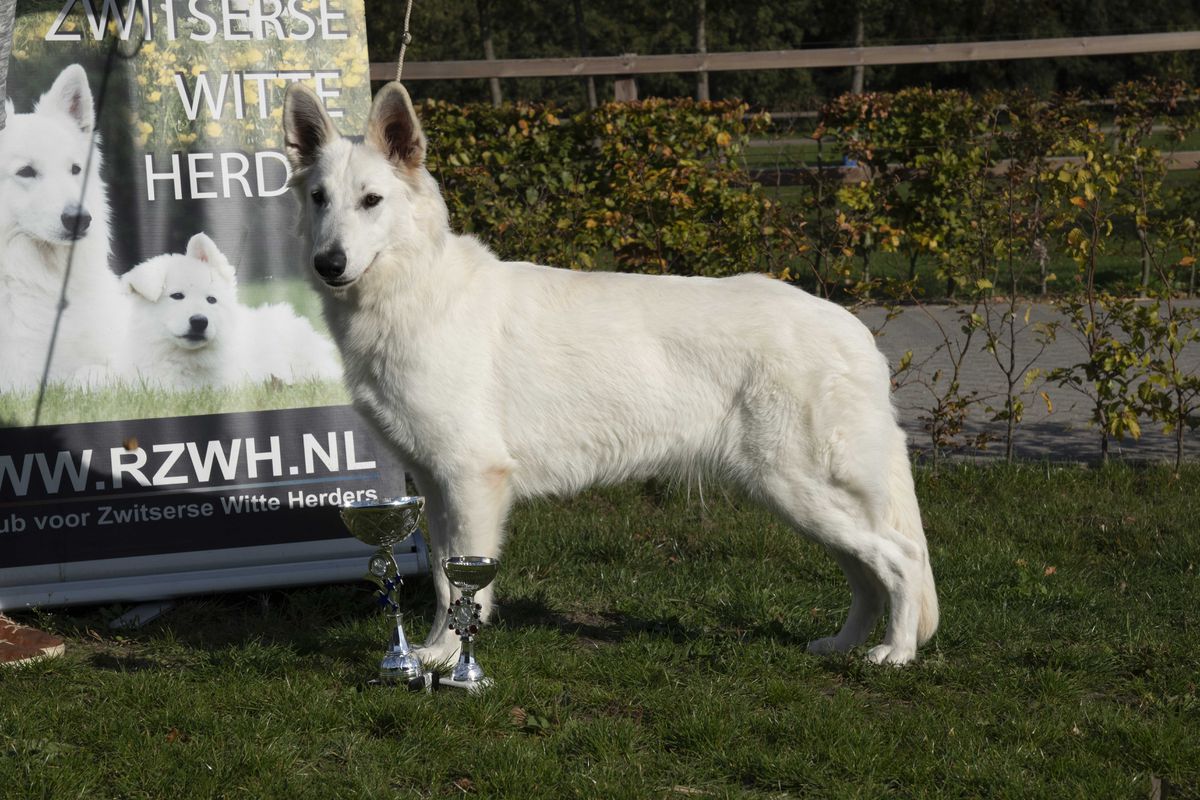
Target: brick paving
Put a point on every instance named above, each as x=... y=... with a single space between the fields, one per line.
x=1063 y=434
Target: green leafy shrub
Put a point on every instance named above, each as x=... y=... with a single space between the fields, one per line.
x=654 y=186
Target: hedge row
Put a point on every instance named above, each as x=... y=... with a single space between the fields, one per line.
x=655 y=186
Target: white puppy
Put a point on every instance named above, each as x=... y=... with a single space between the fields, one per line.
x=54 y=212
x=189 y=331
x=495 y=381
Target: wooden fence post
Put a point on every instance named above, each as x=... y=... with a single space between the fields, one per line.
x=625 y=88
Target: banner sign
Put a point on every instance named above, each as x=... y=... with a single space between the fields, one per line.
x=172 y=416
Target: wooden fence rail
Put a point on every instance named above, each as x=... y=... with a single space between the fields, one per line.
x=797 y=175
x=628 y=65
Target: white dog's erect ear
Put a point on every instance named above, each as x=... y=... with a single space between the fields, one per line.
x=307 y=126
x=393 y=128
x=71 y=95
x=203 y=248
x=147 y=279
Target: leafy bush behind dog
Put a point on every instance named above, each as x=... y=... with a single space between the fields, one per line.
x=654 y=186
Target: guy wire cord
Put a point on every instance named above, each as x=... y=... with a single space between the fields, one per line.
x=405 y=39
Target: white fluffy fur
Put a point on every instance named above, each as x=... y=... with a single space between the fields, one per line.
x=44 y=173
x=497 y=381
x=189 y=331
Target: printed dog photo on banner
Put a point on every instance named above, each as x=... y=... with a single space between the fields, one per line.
x=143 y=185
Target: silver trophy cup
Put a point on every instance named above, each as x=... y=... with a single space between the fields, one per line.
x=469 y=574
x=386 y=523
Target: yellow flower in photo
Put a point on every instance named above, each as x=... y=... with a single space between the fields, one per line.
x=213 y=129
x=154 y=96
x=144 y=129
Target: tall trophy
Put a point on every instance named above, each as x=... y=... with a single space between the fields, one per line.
x=386 y=523
x=468 y=574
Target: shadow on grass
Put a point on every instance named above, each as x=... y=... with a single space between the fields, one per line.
x=610 y=627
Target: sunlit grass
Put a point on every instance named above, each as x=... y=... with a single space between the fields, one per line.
x=654 y=647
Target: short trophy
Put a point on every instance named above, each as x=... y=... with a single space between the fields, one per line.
x=469 y=574
x=386 y=523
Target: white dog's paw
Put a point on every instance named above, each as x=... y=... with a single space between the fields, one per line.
x=830 y=644
x=890 y=654
x=438 y=653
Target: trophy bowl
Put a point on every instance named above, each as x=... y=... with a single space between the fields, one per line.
x=470 y=573
x=384 y=524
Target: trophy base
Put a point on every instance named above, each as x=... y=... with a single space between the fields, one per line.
x=421 y=683
x=472 y=687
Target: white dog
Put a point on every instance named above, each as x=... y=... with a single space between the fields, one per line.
x=189 y=330
x=54 y=211
x=495 y=381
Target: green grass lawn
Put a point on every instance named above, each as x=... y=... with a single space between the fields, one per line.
x=653 y=647
x=64 y=405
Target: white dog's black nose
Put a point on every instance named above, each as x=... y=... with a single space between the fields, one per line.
x=198 y=323
x=76 y=221
x=331 y=264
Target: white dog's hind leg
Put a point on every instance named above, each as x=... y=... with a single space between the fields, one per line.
x=901 y=573
x=472 y=525
x=866 y=607
x=840 y=520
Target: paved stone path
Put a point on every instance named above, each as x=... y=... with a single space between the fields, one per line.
x=1063 y=434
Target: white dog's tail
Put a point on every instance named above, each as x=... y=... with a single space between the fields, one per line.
x=905 y=516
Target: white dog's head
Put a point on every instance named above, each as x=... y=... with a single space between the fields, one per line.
x=190 y=297
x=367 y=204
x=49 y=169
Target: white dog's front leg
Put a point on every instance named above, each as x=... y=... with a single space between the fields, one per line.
x=470 y=522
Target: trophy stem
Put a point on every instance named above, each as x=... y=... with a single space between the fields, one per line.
x=399 y=640
x=399 y=664
x=467 y=668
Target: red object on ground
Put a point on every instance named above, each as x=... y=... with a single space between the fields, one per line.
x=20 y=644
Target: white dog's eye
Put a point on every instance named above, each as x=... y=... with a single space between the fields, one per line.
x=318 y=197
x=371 y=200
x=177 y=296
x=211 y=299
x=27 y=172
x=76 y=169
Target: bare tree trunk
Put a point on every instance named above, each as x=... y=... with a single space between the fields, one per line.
x=581 y=40
x=702 y=48
x=859 y=79
x=8 y=11
x=489 y=50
